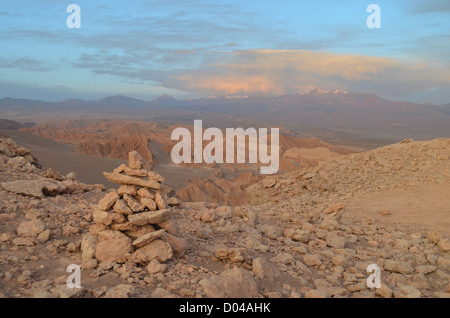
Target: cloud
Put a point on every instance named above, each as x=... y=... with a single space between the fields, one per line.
x=284 y=72
x=273 y=72
x=26 y=64
x=435 y=6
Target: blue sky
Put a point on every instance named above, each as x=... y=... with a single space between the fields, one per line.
x=198 y=48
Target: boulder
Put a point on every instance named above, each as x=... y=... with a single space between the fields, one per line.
x=153 y=217
x=31 y=228
x=157 y=249
x=88 y=246
x=115 y=250
x=147 y=238
x=135 y=160
x=179 y=245
x=108 y=201
x=124 y=179
x=134 y=204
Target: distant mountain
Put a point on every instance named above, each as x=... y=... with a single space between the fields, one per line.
x=444 y=109
x=365 y=115
x=164 y=100
x=119 y=101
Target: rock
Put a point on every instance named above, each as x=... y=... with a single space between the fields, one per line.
x=160 y=202
x=253 y=218
x=153 y=217
x=339 y=260
x=71 y=176
x=179 y=245
x=434 y=237
x=22 y=241
x=156 y=176
x=283 y=258
x=127 y=226
x=97 y=228
x=407 y=292
x=335 y=241
x=120 y=291
x=149 y=204
x=136 y=172
x=52 y=174
x=170 y=227
x=107 y=235
x=263 y=269
x=316 y=293
x=425 y=269
x=88 y=246
x=173 y=201
x=120 y=168
x=271 y=231
x=124 y=179
x=121 y=207
x=311 y=260
x=34 y=188
x=330 y=223
x=384 y=291
x=234 y=255
x=161 y=293
x=17 y=161
x=113 y=250
x=135 y=160
x=298 y=235
x=127 y=189
x=335 y=208
x=107 y=218
x=209 y=216
x=108 y=201
x=155 y=267
x=31 y=228
x=134 y=204
x=62 y=291
x=69 y=230
x=444 y=245
x=89 y=263
x=44 y=236
x=139 y=231
x=147 y=238
x=157 y=249
x=145 y=193
x=4 y=149
x=443 y=261
x=398 y=267
x=232 y=283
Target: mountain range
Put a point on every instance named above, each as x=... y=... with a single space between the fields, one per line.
x=330 y=115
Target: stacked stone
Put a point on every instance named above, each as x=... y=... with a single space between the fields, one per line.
x=133 y=223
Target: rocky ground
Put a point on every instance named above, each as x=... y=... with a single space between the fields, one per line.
x=302 y=236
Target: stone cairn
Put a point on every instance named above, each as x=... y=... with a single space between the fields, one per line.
x=133 y=223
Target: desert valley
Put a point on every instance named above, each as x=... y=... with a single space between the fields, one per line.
x=230 y=156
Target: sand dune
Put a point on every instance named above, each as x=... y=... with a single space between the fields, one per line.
x=52 y=154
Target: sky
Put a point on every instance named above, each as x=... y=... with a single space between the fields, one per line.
x=193 y=48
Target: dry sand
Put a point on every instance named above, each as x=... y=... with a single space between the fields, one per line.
x=58 y=156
